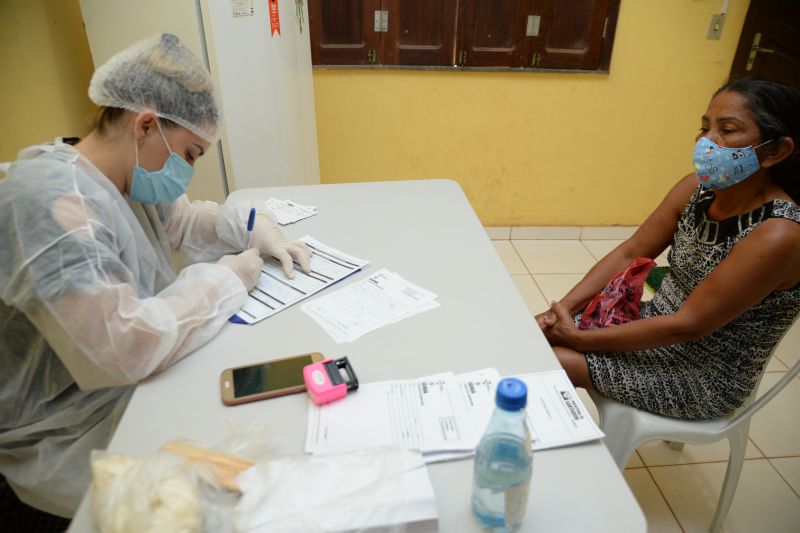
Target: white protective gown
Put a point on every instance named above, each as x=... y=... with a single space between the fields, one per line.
x=90 y=305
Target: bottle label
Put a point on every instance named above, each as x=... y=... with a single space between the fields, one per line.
x=516 y=502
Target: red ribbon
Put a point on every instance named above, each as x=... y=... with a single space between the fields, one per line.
x=274 y=18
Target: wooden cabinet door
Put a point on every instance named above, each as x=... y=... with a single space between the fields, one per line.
x=420 y=32
x=571 y=34
x=491 y=33
x=344 y=30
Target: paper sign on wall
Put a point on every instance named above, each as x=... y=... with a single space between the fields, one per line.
x=242 y=8
x=274 y=18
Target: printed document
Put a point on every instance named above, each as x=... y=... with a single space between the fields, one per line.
x=289 y=212
x=423 y=414
x=382 y=298
x=274 y=292
x=445 y=415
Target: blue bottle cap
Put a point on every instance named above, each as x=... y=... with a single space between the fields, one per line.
x=512 y=394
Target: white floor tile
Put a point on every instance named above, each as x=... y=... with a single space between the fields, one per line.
x=789 y=468
x=659 y=518
x=763 y=501
x=600 y=249
x=635 y=461
x=607 y=232
x=546 y=232
x=775 y=429
x=776 y=365
x=509 y=256
x=498 y=233
x=789 y=349
x=556 y=286
x=531 y=294
x=657 y=453
x=554 y=257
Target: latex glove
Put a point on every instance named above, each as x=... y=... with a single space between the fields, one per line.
x=246 y=265
x=269 y=240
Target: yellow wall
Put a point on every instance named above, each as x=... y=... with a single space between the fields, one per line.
x=528 y=149
x=46 y=67
x=540 y=149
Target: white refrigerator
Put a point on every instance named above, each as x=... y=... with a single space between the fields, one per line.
x=263 y=76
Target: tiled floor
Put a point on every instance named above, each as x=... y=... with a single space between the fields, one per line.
x=677 y=490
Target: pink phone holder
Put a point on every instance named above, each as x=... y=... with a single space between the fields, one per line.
x=329 y=380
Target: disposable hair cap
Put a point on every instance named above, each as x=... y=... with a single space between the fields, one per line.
x=160 y=74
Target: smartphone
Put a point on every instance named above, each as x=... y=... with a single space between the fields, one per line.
x=265 y=380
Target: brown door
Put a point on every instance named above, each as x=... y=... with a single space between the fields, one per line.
x=346 y=31
x=571 y=34
x=769 y=46
x=419 y=32
x=490 y=33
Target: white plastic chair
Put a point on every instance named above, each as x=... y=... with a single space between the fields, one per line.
x=627 y=428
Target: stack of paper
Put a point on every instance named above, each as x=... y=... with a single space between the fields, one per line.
x=289 y=212
x=381 y=299
x=274 y=292
x=444 y=415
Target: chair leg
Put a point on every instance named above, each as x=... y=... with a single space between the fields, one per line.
x=738 y=444
x=621 y=437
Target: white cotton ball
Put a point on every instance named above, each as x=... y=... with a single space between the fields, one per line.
x=150 y=496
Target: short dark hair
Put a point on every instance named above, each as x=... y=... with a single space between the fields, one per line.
x=776 y=108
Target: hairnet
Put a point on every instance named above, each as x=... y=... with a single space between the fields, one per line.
x=159 y=74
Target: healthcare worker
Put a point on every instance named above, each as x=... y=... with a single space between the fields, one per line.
x=89 y=301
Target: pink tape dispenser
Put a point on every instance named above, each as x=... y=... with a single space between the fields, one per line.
x=329 y=380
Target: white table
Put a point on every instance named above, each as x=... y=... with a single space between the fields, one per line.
x=427 y=232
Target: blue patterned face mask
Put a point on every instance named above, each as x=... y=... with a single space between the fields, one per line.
x=162 y=186
x=717 y=167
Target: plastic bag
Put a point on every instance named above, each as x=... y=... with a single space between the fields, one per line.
x=184 y=487
x=384 y=490
x=618 y=302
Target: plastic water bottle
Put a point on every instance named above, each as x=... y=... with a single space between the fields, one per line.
x=504 y=461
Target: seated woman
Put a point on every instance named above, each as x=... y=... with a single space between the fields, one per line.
x=734 y=287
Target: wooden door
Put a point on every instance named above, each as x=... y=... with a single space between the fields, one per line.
x=420 y=32
x=490 y=33
x=571 y=34
x=345 y=30
x=769 y=46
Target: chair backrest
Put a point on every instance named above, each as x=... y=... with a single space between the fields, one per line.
x=755 y=402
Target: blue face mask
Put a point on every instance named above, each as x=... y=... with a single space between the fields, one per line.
x=162 y=186
x=717 y=167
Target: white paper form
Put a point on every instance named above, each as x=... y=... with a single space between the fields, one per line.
x=382 y=298
x=477 y=392
x=289 y=212
x=274 y=292
x=554 y=412
x=556 y=415
x=446 y=420
x=425 y=414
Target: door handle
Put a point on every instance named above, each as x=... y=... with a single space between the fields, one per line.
x=754 y=50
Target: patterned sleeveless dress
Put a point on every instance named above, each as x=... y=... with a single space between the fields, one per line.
x=714 y=375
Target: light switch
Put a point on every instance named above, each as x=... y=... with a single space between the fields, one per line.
x=715 y=26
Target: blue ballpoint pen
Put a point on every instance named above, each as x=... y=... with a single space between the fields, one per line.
x=250 y=221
